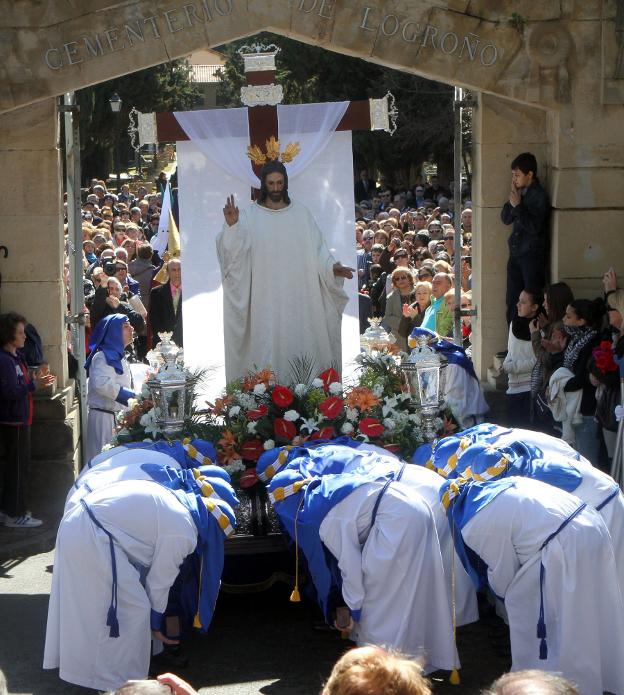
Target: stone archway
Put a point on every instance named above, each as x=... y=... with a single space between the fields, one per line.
x=543 y=85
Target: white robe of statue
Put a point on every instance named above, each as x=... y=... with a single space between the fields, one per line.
x=153 y=531
x=584 y=613
x=393 y=573
x=281 y=300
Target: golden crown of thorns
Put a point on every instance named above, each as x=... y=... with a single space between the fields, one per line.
x=272 y=152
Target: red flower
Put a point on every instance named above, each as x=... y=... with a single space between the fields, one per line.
x=282 y=396
x=252 y=449
x=392 y=448
x=258 y=412
x=371 y=427
x=331 y=407
x=324 y=433
x=284 y=429
x=248 y=478
x=328 y=377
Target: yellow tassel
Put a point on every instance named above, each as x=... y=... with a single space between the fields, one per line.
x=454 y=678
x=197 y=621
x=295 y=597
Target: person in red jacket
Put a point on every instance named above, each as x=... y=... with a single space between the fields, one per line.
x=16 y=411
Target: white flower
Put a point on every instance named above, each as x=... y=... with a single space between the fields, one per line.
x=268 y=444
x=352 y=414
x=145 y=392
x=291 y=415
x=259 y=389
x=251 y=427
x=347 y=428
x=309 y=424
x=317 y=384
x=377 y=390
x=405 y=396
x=388 y=423
x=148 y=422
x=234 y=467
x=390 y=404
x=415 y=417
x=132 y=402
x=300 y=390
x=106 y=447
x=234 y=411
x=245 y=400
x=335 y=388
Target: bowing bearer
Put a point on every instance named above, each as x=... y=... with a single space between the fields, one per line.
x=129 y=539
x=549 y=557
x=371 y=543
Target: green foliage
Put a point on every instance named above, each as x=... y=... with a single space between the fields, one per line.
x=517 y=22
x=163 y=87
x=313 y=74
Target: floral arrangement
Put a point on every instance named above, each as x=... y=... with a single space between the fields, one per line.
x=603 y=358
x=257 y=413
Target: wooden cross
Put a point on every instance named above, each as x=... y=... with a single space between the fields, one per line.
x=369 y=114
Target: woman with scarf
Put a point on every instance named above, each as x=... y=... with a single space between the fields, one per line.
x=109 y=380
x=581 y=323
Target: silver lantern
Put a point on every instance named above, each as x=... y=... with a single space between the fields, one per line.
x=375 y=338
x=424 y=370
x=168 y=388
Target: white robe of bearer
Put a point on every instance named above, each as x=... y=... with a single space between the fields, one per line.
x=393 y=572
x=584 y=613
x=427 y=484
x=281 y=300
x=152 y=530
x=103 y=388
x=122 y=456
x=595 y=488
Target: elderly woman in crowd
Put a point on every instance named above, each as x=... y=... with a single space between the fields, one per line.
x=402 y=293
x=414 y=313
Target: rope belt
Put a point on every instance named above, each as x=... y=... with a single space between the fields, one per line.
x=383 y=492
x=606 y=501
x=541 y=623
x=111 y=620
x=103 y=410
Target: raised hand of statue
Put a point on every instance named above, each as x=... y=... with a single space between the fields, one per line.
x=230 y=211
x=342 y=271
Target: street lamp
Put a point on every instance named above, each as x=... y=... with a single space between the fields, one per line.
x=115 y=105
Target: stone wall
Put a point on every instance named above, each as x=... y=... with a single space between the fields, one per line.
x=31 y=225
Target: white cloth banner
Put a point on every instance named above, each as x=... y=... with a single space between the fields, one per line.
x=325 y=187
x=160 y=242
x=215 y=132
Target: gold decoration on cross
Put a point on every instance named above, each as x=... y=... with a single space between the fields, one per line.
x=272 y=152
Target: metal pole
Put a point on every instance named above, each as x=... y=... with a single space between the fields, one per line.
x=74 y=219
x=117 y=148
x=457 y=324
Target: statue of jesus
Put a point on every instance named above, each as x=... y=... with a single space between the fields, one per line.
x=283 y=293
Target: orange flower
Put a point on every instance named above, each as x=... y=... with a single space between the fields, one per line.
x=362 y=398
x=226 y=448
x=264 y=376
x=221 y=405
x=228 y=440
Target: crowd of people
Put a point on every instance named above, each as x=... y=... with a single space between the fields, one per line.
x=406 y=256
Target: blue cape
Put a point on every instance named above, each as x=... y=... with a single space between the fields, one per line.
x=453 y=353
x=199 y=588
x=175 y=449
x=107 y=337
x=328 y=488
x=474 y=496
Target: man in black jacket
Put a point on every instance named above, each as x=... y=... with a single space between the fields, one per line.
x=528 y=210
x=165 y=310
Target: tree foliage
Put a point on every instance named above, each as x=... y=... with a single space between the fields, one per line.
x=313 y=74
x=165 y=87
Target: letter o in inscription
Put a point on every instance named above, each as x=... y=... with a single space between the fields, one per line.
x=494 y=52
x=220 y=10
x=454 y=43
x=395 y=19
x=48 y=62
